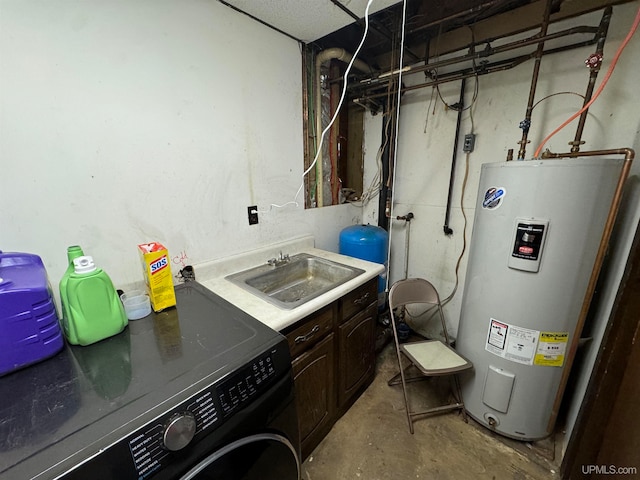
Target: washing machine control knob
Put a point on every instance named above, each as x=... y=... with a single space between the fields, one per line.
x=179 y=430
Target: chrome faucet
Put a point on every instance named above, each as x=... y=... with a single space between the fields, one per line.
x=281 y=260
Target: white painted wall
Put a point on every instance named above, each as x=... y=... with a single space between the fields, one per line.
x=424 y=160
x=125 y=122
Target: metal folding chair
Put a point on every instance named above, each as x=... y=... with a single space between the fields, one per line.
x=430 y=357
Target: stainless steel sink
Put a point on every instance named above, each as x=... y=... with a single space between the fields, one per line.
x=298 y=280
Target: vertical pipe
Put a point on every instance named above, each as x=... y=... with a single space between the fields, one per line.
x=334 y=133
x=383 y=221
x=307 y=113
x=595 y=68
x=526 y=123
x=446 y=228
x=386 y=193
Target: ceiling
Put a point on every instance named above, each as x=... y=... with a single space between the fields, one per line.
x=307 y=20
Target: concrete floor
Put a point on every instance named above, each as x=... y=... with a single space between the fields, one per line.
x=372 y=441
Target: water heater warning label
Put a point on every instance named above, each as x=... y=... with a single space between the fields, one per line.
x=552 y=347
x=512 y=342
x=526 y=346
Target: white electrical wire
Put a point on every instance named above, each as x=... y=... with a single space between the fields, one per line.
x=374 y=186
x=335 y=115
x=395 y=140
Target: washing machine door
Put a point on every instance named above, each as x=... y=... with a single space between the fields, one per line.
x=264 y=456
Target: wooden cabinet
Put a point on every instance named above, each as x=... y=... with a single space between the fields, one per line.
x=333 y=358
x=314 y=378
x=356 y=355
x=312 y=346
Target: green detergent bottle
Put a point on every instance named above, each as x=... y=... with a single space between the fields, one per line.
x=93 y=310
x=73 y=252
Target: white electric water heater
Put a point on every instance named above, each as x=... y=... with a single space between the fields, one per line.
x=536 y=234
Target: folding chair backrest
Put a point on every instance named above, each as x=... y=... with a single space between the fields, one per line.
x=412 y=290
x=416 y=290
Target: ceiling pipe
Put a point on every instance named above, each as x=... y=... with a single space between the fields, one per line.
x=484 y=53
x=480 y=70
x=322 y=57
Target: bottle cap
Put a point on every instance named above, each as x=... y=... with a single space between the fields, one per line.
x=84 y=264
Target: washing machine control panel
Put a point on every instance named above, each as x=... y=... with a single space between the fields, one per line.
x=152 y=446
x=176 y=437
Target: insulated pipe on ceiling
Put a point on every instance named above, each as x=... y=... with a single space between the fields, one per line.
x=322 y=57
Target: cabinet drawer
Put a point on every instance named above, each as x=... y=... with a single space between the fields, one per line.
x=359 y=298
x=312 y=330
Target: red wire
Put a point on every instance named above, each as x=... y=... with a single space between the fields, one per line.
x=600 y=88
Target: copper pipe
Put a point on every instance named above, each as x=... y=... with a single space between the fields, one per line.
x=466 y=73
x=629 y=155
x=602 y=35
x=484 y=70
x=526 y=123
x=486 y=52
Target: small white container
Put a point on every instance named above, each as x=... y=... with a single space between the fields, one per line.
x=136 y=304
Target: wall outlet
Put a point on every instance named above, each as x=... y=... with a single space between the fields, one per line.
x=253 y=214
x=469 y=142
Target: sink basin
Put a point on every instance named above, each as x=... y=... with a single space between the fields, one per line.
x=295 y=282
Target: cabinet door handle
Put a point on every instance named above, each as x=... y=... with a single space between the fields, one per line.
x=362 y=299
x=304 y=338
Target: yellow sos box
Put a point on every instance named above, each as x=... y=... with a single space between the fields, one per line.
x=157 y=275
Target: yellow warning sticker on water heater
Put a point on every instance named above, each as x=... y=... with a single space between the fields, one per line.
x=552 y=347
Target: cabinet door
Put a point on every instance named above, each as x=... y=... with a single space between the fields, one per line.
x=314 y=379
x=357 y=354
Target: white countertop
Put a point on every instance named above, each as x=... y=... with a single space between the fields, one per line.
x=212 y=276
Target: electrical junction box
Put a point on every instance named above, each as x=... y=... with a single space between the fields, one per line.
x=469 y=142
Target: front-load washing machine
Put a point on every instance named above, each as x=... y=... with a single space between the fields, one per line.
x=200 y=391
